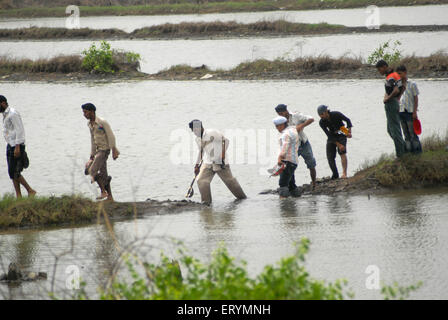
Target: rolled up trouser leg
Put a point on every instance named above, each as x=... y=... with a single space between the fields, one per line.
x=204 y=178
x=98 y=169
x=283 y=192
x=231 y=182
x=295 y=192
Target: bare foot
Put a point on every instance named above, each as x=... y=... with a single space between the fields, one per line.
x=110 y=198
x=103 y=196
x=344 y=176
x=32 y=193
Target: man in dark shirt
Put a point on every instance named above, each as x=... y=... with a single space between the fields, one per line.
x=332 y=124
x=394 y=88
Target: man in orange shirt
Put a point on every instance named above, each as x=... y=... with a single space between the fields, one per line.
x=394 y=88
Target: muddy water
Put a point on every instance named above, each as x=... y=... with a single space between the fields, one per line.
x=157 y=151
x=403 y=234
x=418 y=15
x=158 y=55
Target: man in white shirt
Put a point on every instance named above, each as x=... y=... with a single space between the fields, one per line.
x=408 y=111
x=16 y=156
x=212 y=152
x=300 y=121
x=288 y=156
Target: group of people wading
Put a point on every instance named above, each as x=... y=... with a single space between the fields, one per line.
x=400 y=101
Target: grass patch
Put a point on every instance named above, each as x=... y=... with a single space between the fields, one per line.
x=95 y=60
x=42 y=211
x=306 y=66
x=428 y=168
x=46 y=8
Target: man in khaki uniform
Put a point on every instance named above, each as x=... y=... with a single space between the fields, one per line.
x=102 y=142
x=212 y=151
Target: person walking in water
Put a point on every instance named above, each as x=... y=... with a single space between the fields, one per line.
x=288 y=157
x=16 y=156
x=212 y=159
x=102 y=142
x=332 y=124
x=300 y=121
x=408 y=111
x=394 y=88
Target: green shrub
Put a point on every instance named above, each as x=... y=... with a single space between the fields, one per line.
x=386 y=51
x=99 y=60
x=224 y=278
x=107 y=60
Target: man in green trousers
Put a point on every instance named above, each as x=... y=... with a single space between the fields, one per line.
x=394 y=88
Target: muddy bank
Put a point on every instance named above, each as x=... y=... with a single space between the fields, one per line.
x=386 y=174
x=65 y=211
x=206 y=30
x=323 y=67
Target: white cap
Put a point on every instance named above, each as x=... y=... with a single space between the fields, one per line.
x=279 y=120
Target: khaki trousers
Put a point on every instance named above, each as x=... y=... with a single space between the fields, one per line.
x=206 y=175
x=98 y=170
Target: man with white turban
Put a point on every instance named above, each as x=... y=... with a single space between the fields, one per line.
x=288 y=156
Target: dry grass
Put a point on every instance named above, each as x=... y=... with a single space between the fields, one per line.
x=61 y=64
x=41 y=211
x=174 y=30
x=428 y=168
x=435 y=62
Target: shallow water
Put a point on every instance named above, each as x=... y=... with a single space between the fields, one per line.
x=227 y=53
x=403 y=234
x=418 y=15
x=157 y=151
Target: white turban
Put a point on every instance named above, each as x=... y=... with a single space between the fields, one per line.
x=279 y=120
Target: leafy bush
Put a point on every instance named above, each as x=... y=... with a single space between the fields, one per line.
x=99 y=59
x=106 y=60
x=224 y=278
x=386 y=51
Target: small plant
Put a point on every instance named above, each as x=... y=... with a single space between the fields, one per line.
x=386 y=51
x=396 y=292
x=107 y=60
x=99 y=60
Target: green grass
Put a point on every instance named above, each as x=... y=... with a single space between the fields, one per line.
x=428 y=168
x=10 y=9
x=43 y=211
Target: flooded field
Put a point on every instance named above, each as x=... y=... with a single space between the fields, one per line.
x=150 y=121
x=402 y=234
x=416 y=15
x=227 y=53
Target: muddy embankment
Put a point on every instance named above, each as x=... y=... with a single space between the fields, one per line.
x=206 y=30
x=67 y=211
x=387 y=174
x=69 y=68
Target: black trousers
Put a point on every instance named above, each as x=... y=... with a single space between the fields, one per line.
x=15 y=165
x=287 y=179
x=331 y=153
